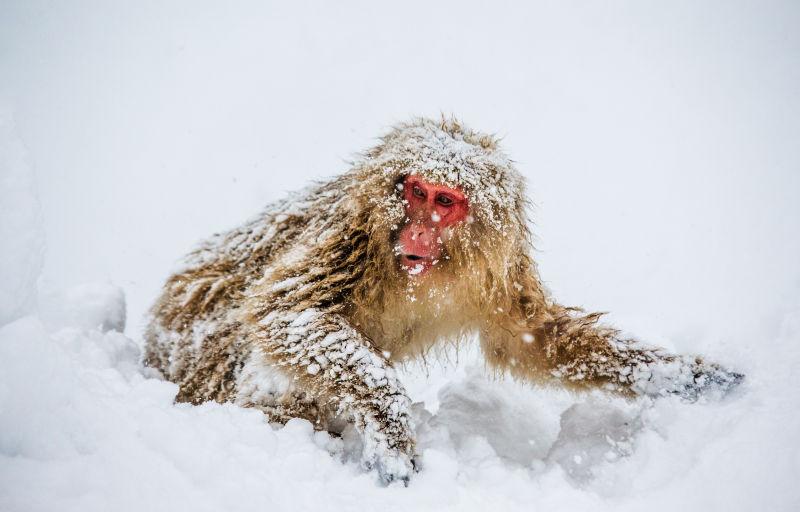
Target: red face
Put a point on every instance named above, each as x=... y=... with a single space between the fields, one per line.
x=430 y=209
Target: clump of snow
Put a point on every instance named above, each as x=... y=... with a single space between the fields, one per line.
x=88 y=306
x=416 y=269
x=22 y=255
x=592 y=433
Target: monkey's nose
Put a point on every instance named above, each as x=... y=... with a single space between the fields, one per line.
x=421 y=235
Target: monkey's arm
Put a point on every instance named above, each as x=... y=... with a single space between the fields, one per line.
x=339 y=364
x=570 y=346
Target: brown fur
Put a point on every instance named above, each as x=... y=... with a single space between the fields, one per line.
x=239 y=303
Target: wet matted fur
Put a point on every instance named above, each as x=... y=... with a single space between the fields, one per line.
x=303 y=310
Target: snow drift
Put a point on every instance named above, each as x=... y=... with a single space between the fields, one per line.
x=85 y=428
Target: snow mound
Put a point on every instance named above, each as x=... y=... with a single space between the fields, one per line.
x=22 y=256
x=87 y=306
x=84 y=428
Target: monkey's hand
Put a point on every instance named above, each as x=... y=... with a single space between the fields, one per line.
x=326 y=352
x=689 y=378
x=388 y=441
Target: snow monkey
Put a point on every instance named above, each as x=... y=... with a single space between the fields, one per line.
x=305 y=310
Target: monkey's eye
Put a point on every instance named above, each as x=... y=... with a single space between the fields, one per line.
x=444 y=200
x=418 y=192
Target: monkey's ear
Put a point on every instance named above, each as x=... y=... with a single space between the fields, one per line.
x=401 y=178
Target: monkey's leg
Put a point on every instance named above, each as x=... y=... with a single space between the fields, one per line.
x=334 y=361
x=574 y=349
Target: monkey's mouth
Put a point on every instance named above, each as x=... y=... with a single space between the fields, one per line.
x=415 y=264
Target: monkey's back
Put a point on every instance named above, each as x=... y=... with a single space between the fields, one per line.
x=192 y=337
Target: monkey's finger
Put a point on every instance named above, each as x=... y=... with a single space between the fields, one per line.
x=711 y=380
x=395 y=468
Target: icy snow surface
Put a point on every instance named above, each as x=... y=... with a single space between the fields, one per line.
x=659 y=141
x=83 y=428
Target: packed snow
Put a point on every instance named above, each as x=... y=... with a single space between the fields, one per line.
x=85 y=428
x=659 y=145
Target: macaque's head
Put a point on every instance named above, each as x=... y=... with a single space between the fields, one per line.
x=440 y=208
x=432 y=219
x=431 y=210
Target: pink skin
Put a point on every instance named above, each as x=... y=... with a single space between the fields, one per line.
x=430 y=208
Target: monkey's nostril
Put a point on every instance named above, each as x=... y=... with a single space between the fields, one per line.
x=413 y=257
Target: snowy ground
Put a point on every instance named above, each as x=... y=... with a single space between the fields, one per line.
x=84 y=429
x=660 y=143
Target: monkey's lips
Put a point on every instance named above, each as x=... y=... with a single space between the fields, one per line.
x=415 y=264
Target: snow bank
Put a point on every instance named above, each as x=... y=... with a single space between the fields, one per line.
x=21 y=257
x=83 y=428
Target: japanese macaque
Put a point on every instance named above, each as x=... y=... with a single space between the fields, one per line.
x=305 y=310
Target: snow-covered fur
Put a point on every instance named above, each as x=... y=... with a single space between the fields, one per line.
x=304 y=310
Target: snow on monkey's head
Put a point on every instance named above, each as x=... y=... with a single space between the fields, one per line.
x=432 y=216
x=451 y=195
